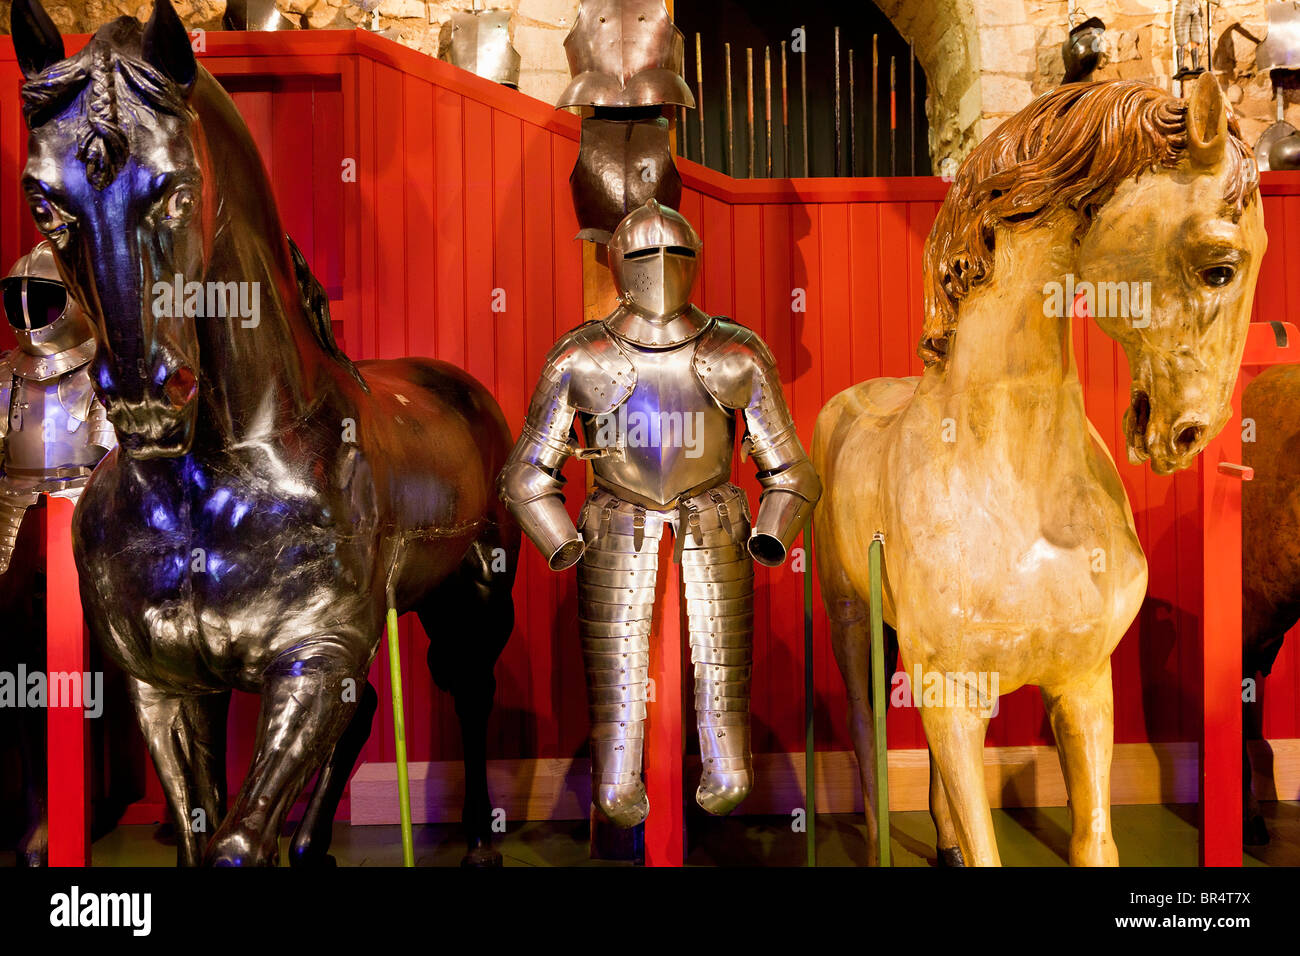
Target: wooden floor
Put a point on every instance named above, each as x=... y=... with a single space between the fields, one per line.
x=1146 y=835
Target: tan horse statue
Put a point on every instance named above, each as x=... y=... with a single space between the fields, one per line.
x=1010 y=551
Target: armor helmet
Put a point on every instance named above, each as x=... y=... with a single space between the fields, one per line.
x=1081 y=50
x=46 y=320
x=654 y=258
x=480 y=42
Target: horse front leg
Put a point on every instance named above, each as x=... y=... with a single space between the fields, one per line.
x=946 y=843
x=956 y=738
x=1083 y=721
x=311 y=841
x=304 y=712
x=185 y=736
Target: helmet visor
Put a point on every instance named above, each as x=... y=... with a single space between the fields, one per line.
x=32 y=304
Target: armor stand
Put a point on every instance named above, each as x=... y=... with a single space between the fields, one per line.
x=67 y=738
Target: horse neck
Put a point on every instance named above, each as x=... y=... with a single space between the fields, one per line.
x=265 y=378
x=1006 y=343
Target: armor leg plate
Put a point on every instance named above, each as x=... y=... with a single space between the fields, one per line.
x=718 y=579
x=12 y=509
x=616 y=591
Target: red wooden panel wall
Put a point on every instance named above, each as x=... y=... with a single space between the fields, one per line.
x=461 y=200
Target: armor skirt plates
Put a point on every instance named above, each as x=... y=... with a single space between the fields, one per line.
x=616 y=591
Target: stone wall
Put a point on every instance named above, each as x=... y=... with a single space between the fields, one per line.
x=539 y=26
x=1020 y=53
x=983 y=59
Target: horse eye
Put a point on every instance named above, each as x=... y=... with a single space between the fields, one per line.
x=1218 y=276
x=180 y=203
x=48 y=218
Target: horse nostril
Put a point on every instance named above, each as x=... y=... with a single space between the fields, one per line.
x=1188 y=438
x=180 y=387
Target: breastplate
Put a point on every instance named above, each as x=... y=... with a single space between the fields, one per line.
x=669 y=438
x=44 y=434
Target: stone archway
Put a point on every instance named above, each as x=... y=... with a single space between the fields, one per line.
x=976 y=57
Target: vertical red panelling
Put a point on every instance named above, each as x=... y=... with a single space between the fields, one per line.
x=559 y=620
x=1270 y=292
x=831 y=366
x=449 y=202
x=255 y=107
x=328 y=137
x=421 y=182
x=515 y=671
x=416 y=167
x=390 y=214
x=780 y=676
x=535 y=589
x=714 y=227
x=479 y=214
x=290 y=161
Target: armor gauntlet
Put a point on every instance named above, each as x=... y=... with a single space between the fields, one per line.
x=741 y=373
x=531 y=484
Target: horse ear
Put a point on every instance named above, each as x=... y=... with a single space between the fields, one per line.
x=166 y=45
x=37 y=43
x=1207 y=121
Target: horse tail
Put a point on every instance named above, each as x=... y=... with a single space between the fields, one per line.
x=316 y=306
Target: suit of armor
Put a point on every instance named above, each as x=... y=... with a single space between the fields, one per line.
x=54 y=431
x=655 y=388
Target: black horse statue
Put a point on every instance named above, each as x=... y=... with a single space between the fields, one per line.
x=268 y=498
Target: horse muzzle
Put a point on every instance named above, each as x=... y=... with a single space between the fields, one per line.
x=1169 y=446
x=159 y=425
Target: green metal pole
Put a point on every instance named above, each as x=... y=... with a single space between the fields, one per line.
x=878 y=696
x=399 y=734
x=809 y=748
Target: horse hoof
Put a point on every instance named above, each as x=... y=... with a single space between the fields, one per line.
x=482 y=858
x=951 y=856
x=1254 y=831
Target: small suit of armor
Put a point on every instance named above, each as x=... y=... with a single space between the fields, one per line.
x=656 y=389
x=54 y=430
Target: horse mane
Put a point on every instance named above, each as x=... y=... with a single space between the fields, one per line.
x=1068 y=150
x=316 y=306
x=106 y=66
